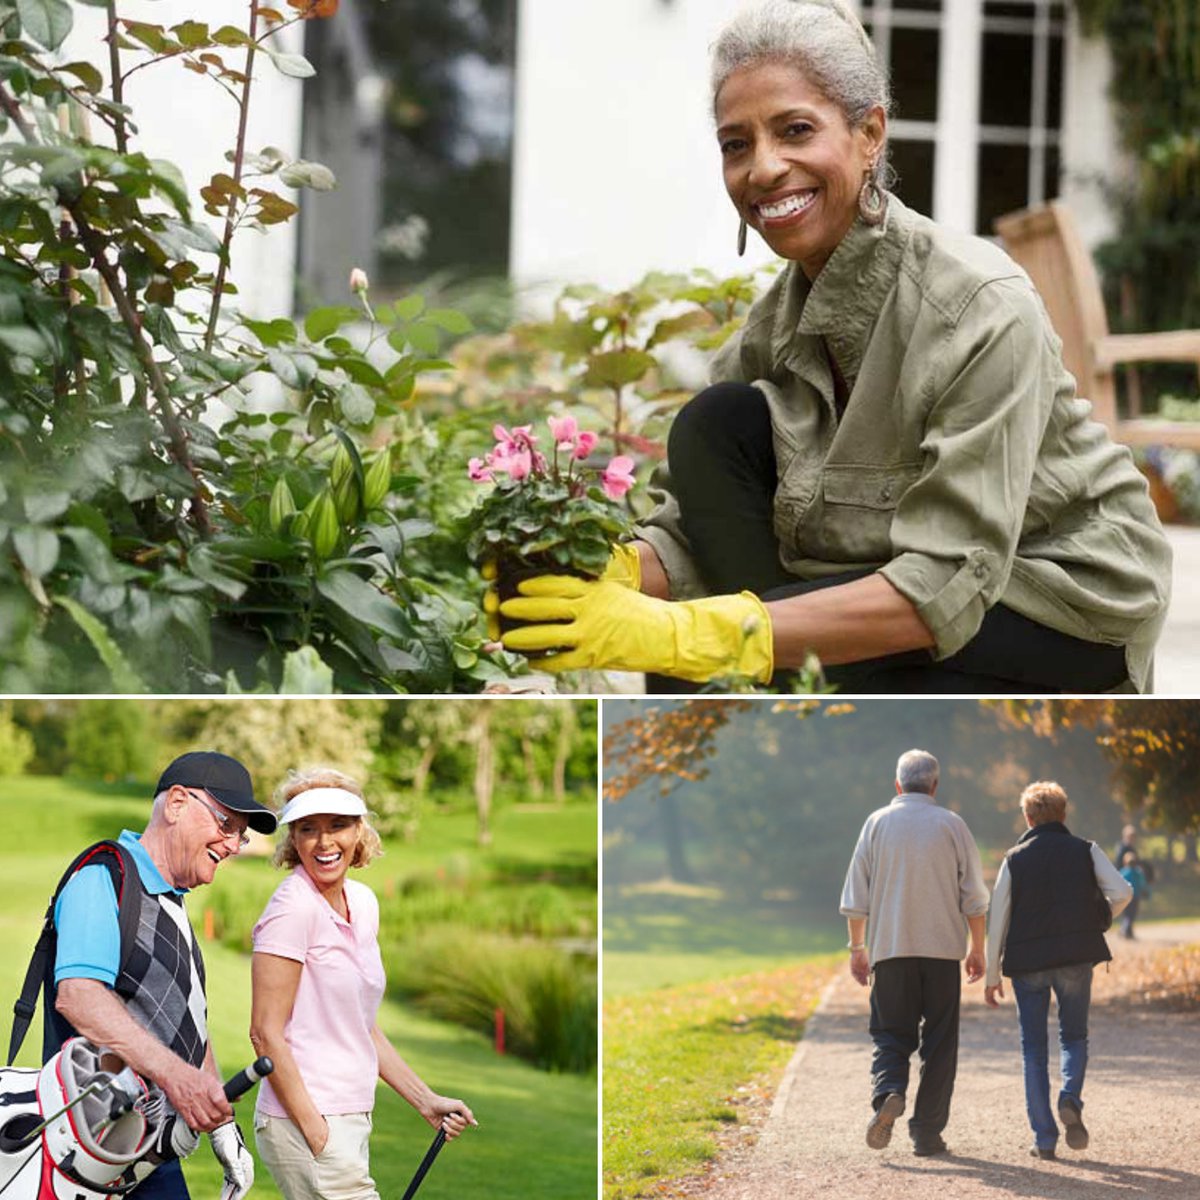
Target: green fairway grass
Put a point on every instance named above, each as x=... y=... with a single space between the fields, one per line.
x=537 y=1134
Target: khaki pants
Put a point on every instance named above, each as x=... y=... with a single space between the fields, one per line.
x=340 y=1172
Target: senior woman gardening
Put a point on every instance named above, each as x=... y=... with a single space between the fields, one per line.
x=891 y=468
x=317 y=982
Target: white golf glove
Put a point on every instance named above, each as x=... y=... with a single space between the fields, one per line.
x=236 y=1161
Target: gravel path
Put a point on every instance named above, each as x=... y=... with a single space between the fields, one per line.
x=1142 y=1101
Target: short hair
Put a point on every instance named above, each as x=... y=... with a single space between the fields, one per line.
x=1044 y=801
x=369 y=844
x=917 y=771
x=822 y=38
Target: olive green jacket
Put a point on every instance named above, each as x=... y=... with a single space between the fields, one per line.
x=964 y=468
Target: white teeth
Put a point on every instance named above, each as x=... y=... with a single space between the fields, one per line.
x=785 y=207
x=326 y=859
x=214 y=856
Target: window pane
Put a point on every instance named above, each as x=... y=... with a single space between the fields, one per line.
x=1017 y=9
x=1003 y=183
x=1007 y=90
x=914 y=62
x=913 y=164
x=1053 y=168
x=1055 y=84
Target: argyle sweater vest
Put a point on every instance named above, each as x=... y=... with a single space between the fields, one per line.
x=162 y=979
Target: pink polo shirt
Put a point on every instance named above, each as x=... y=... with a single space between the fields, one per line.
x=341 y=985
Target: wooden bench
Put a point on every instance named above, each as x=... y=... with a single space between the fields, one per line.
x=1044 y=240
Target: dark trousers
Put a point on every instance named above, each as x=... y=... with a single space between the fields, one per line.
x=164 y=1183
x=914 y=1008
x=724 y=476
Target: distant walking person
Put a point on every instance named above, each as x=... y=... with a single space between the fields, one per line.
x=1134 y=873
x=913 y=894
x=1052 y=902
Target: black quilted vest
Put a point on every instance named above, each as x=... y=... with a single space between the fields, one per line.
x=1056 y=917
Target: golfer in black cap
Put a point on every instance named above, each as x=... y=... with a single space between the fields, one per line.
x=146 y=1000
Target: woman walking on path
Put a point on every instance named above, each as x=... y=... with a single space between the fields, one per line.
x=317 y=982
x=1134 y=874
x=1046 y=932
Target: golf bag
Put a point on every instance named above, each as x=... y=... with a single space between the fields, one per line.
x=83 y=1127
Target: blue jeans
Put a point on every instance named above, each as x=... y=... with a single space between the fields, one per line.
x=1072 y=987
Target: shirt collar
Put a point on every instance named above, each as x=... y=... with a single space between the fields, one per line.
x=922 y=797
x=299 y=870
x=1044 y=827
x=152 y=877
x=841 y=305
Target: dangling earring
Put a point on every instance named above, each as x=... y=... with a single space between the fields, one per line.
x=872 y=199
x=742 y=237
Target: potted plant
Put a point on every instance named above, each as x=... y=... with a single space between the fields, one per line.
x=547 y=513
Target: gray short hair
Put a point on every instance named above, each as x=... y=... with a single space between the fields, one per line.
x=824 y=39
x=917 y=771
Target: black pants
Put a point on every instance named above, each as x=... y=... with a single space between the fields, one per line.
x=724 y=476
x=914 y=1008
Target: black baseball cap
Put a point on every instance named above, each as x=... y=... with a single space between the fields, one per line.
x=222 y=777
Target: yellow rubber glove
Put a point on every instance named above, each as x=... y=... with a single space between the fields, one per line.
x=606 y=626
x=624 y=567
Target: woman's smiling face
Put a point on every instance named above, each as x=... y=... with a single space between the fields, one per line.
x=325 y=844
x=793 y=166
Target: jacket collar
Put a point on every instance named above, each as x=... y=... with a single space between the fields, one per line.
x=843 y=302
x=1047 y=827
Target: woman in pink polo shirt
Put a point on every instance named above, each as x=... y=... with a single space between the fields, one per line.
x=318 y=980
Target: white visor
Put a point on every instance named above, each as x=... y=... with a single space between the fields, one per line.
x=332 y=800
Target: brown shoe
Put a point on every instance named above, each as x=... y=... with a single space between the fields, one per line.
x=879 y=1128
x=1071 y=1115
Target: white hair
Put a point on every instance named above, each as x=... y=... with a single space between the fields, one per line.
x=917 y=771
x=822 y=38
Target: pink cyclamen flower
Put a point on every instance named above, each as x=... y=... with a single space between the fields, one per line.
x=617 y=477
x=520 y=464
x=585 y=443
x=479 y=470
x=520 y=437
x=564 y=431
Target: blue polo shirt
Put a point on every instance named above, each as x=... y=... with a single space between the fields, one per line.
x=87 y=919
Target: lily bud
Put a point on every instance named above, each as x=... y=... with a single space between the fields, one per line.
x=377 y=482
x=325 y=528
x=359 y=282
x=282 y=505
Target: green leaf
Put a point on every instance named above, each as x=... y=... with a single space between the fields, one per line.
x=616 y=368
x=271 y=333
x=422 y=337
x=46 y=21
x=321 y=322
x=364 y=602
x=124 y=677
x=305 y=674
x=295 y=66
x=231 y=35
x=301 y=174
x=45 y=504
x=356 y=404
x=37 y=548
x=91 y=79
x=191 y=34
x=450 y=319
x=410 y=307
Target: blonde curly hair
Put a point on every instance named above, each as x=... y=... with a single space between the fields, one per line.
x=369 y=845
x=1044 y=801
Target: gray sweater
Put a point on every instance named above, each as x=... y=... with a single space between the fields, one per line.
x=916 y=877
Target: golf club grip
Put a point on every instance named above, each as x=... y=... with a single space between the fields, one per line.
x=245 y=1079
x=438 y=1142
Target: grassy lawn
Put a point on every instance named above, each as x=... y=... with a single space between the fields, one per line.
x=678 y=1060
x=667 y=934
x=537 y=1135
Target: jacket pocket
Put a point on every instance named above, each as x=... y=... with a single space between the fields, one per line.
x=858 y=502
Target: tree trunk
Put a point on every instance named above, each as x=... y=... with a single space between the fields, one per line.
x=1189 y=848
x=533 y=781
x=562 y=752
x=420 y=778
x=485 y=775
x=670 y=824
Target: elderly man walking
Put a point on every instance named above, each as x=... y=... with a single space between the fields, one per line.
x=143 y=996
x=913 y=895
x=1055 y=896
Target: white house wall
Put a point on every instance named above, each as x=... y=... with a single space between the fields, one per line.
x=190 y=121
x=616 y=168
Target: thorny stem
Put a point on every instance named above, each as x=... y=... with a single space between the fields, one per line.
x=94 y=245
x=239 y=154
x=118 y=84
